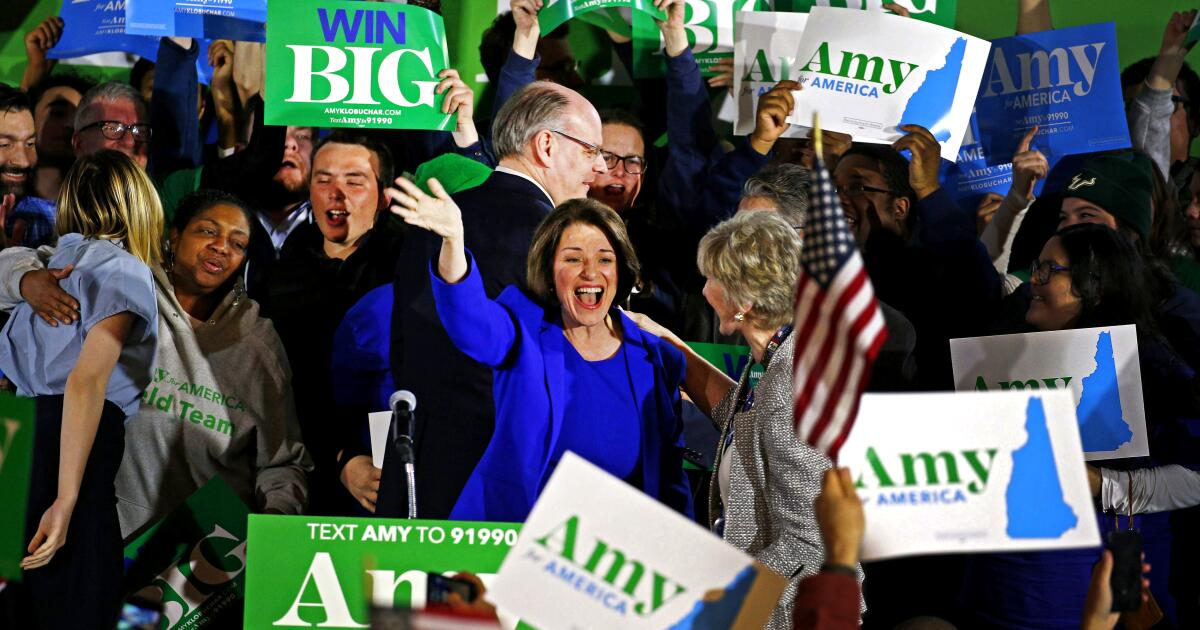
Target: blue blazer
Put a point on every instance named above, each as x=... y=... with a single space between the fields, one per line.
x=523 y=343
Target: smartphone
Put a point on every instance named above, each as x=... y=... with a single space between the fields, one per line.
x=438 y=588
x=1126 y=579
x=139 y=613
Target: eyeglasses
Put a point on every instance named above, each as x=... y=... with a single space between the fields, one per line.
x=1040 y=271
x=115 y=130
x=590 y=150
x=857 y=190
x=634 y=164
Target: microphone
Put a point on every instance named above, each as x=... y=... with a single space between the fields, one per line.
x=403 y=403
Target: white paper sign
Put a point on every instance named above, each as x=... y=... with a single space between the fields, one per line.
x=597 y=553
x=1098 y=365
x=969 y=472
x=379 y=422
x=764 y=54
x=866 y=73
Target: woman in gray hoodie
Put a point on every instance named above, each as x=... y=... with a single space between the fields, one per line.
x=220 y=398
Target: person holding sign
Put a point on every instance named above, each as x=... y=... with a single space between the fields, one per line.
x=571 y=373
x=761 y=497
x=87 y=378
x=1091 y=276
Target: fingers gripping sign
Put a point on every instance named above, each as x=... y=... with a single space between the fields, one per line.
x=1029 y=165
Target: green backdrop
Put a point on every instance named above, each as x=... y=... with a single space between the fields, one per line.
x=1139 y=30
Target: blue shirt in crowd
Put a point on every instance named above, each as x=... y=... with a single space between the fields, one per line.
x=39 y=217
x=107 y=280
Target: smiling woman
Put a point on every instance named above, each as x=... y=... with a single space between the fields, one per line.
x=571 y=371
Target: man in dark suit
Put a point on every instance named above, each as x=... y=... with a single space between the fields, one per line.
x=547 y=139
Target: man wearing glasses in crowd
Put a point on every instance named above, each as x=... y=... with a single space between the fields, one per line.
x=112 y=116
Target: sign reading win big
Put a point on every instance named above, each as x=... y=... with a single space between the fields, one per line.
x=337 y=63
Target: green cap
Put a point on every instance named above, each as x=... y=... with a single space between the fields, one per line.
x=1122 y=184
x=453 y=171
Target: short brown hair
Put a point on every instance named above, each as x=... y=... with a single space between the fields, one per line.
x=539 y=266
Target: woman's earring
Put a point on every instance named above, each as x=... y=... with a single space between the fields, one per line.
x=739 y=316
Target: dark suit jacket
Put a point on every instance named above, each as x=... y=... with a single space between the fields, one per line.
x=455 y=414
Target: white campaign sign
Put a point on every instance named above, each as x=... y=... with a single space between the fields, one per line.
x=765 y=54
x=1099 y=366
x=969 y=472
x=597 y=553
x=867 y=85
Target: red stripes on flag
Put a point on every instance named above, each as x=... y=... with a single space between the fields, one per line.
x=839 y=333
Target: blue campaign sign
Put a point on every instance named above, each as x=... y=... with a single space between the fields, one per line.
x=1066 y=81
x=239 y=20
x=974 y=175
x=96 y=26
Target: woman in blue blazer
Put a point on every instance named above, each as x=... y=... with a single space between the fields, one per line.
x=571 y=371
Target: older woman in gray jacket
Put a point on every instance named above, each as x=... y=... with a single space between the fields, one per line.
x=762 y=492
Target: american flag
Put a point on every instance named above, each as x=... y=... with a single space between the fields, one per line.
x=839 y=326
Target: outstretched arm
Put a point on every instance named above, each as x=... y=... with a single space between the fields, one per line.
x=704 y=383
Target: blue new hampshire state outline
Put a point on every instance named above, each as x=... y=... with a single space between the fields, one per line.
x=928 y=106
x=1034 y=496
x=1102 y=424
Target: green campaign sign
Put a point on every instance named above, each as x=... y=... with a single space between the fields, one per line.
x=16 y=458
x=940 y=12
x=323 y=571
x=194 y=560
x=339 y=63
x=729 y=359
x=605 y=14
x=710 y=32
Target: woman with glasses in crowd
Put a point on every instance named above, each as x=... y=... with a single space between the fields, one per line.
x=1090 y=276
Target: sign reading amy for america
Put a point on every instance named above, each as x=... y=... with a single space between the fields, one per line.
x=597 y=553
x=969 y=472
x=867 y=86
x=1067 y=82
x=1098 y=366
x=764 y=55
x=336 y=63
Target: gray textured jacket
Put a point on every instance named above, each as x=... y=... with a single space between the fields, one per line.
x=773 y=482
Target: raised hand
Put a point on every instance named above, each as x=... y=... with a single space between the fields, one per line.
x=1176 y=31
x=840 y=517
x=460 y=100
x=38 y=43
x=224 y=91
x=437 y=213
x=771 y=120
x=674 y=36
x=724 y=74
x=525 y=14
x=926 y=159
x=1029 y=165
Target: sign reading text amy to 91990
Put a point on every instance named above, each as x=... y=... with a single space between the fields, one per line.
x=337 y=63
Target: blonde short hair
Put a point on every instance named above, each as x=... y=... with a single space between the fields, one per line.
x=755 y=257
x=107 y=195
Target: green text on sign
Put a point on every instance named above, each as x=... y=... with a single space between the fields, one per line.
x=338 y=63
x=321 y=571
